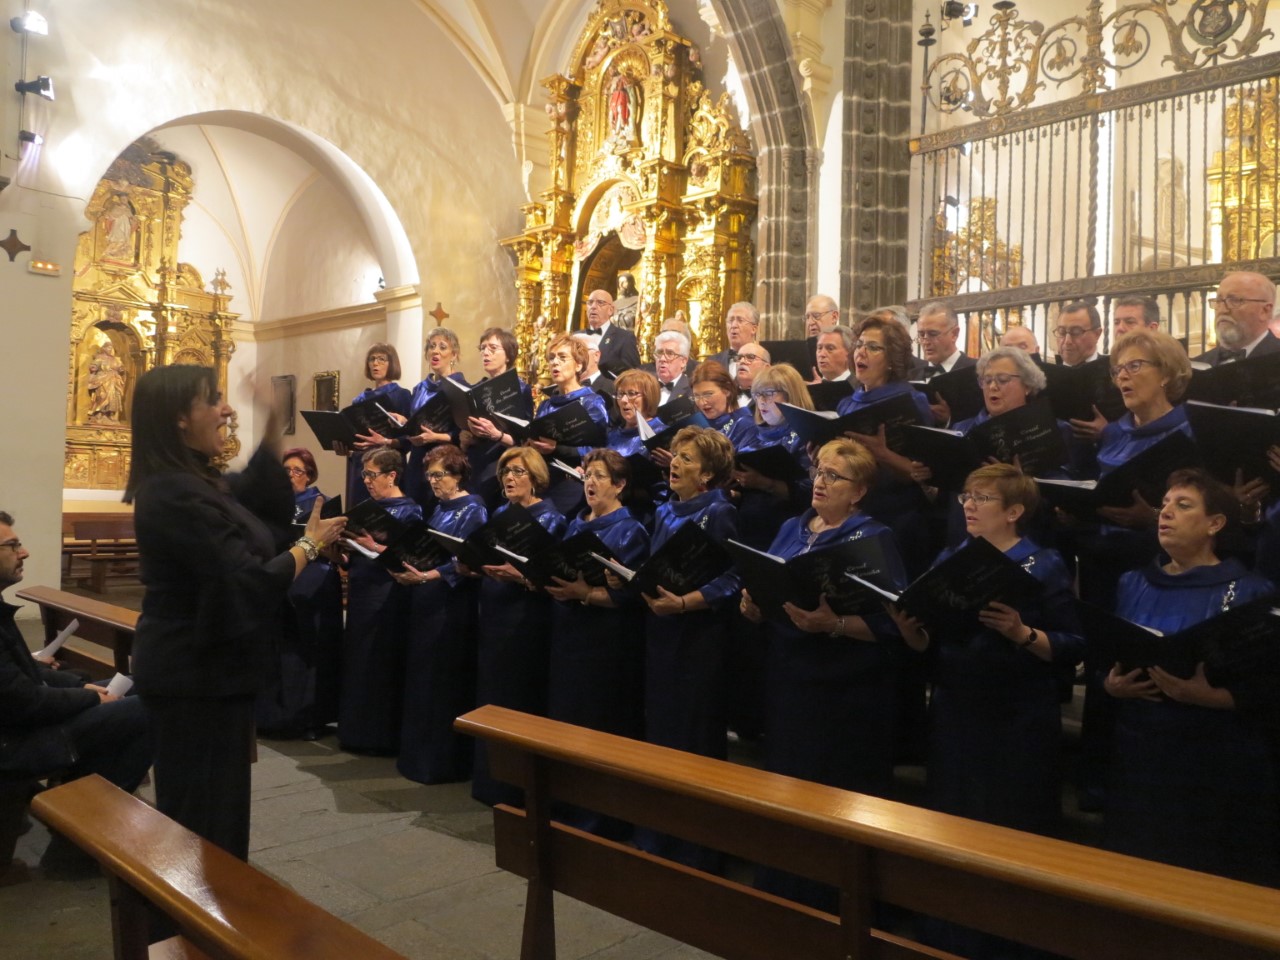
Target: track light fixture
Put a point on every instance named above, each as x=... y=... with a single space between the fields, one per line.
x=26 y=136
x=31 y=23
x=955 y=10
x=40 y=85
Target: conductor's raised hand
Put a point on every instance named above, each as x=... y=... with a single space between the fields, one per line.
x=323 y=531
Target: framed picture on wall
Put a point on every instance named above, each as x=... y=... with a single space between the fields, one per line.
x=324 y=390
x=285 y=392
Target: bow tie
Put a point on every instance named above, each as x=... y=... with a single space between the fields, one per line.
x=733 y=355
x=932 y=370
x=667 y=386
x=1226 y=356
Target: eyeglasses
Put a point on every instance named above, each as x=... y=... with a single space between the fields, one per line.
x=1232 y=302
x=817 y=316
x=735 y=321
x=1063 y=333
x=767 y=393
x=369 y=475
x=998 y=379
x=518 y=472
x=668 y=355
x=597 y=476
x=750 y=358
x=705 y=397
x=830 y=476
x=437 y=475
x=1132 y=367
x=14 y=545
x=379 y=358
x=490 y=347
x=630 y=395
x=295 y=471
x=979 y=499
x=868 y=345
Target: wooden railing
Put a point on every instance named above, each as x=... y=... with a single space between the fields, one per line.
x=1070 y=900
x=221 y=907
x=104 y=624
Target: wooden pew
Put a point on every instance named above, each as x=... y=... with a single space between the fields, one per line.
x=222 y=907
x=102 y=623
x=1067 y=899
x=104 y=543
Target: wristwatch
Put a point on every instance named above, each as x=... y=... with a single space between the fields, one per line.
x=310 y=548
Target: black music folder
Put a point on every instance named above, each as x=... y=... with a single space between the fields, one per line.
x=959 y=388
x=896 y=414
x=948 y=598
x=1234 y=438
x=569 y=425
x=1148 y=473
x=342 y=426
x=565 y=560
x=948 y=453
x=772 y=581
x=1241 y=643
x=368 y=516
x=1075 y=391
x=662 y=439
x=688 y=560
x=1251 y=382
x=828 y=394
x=500 y=395
x=773 y=462
x=514 y=528
x=435 y=415
x=1029 y=433
x=416 y=546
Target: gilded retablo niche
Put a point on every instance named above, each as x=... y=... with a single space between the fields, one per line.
x=134 y=307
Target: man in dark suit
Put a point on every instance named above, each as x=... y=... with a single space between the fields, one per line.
x=671 y=357
x=1023 y=338
x=1242 y=312
x=617 y=346
x=740 y=326
x=821 y=315
x=592 y=376
x=938 y=333
x=681 y=326
x=1077 y=333
x=51 y=720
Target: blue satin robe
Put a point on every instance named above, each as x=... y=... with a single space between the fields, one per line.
x=440 y=658
x=995 y=721
x=514 y=642
x=304 y=697
x=394 y=398
x=1122 y=440
x=762 y=514
x=1194 y=786
x=373 y=651
x=484 y=454
x=739 y=426
x=414 y=482
x=565 y=492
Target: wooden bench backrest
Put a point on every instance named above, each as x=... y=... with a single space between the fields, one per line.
x=225 y=907
x=102 y=623
x=1068 y=899
x=109 y=528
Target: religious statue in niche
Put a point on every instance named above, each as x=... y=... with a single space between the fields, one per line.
x=624 y=106
x=120 y=226
x=105 y=385
x=627 y=303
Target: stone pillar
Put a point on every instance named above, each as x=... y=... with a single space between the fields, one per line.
x=403 y=306
x=877 y=164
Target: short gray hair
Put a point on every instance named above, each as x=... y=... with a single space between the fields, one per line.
x=1029 y=373
x=845 y=335
x=938 y=307
x=672 y=336
x=749 y=307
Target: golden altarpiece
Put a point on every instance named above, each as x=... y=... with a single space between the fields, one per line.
x=653 y=188
x=134 y=307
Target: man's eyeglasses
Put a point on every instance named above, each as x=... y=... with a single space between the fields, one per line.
x=998 y=379
x=750 y=358
x=518 y=472
x=14 y=545
x=735 y=321
x=868 y=345
x=1232 y=302
x=371 y=475
x=817 y=316
x=667 y=355
x=1063 y=333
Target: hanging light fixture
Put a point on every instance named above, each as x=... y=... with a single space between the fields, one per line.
x=31 y=23
x=43 y=86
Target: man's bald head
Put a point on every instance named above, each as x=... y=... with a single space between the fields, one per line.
x=1022 y=338
x=599 y=308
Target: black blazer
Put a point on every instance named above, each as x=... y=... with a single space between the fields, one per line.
x=679 y=389
x=618 y=351
x=1269 y=343
x=216 y=580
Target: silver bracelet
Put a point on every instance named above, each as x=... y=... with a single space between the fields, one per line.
x=839 y=630
x=310 y=548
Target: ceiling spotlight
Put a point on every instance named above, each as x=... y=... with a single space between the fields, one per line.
x=41 y=85
x=955 y=10
x=31 y=22
x=26 y=136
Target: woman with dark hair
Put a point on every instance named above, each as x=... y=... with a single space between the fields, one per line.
x=372 y=654
x=687 y=635
x=484 y=441
x=567 y=360
x=382 y=367
x=514 y=620
x=305 y=695
x=215 y=594
x=1193 y=782
x=716 y=397
x=440 y=655
x=597 y=640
